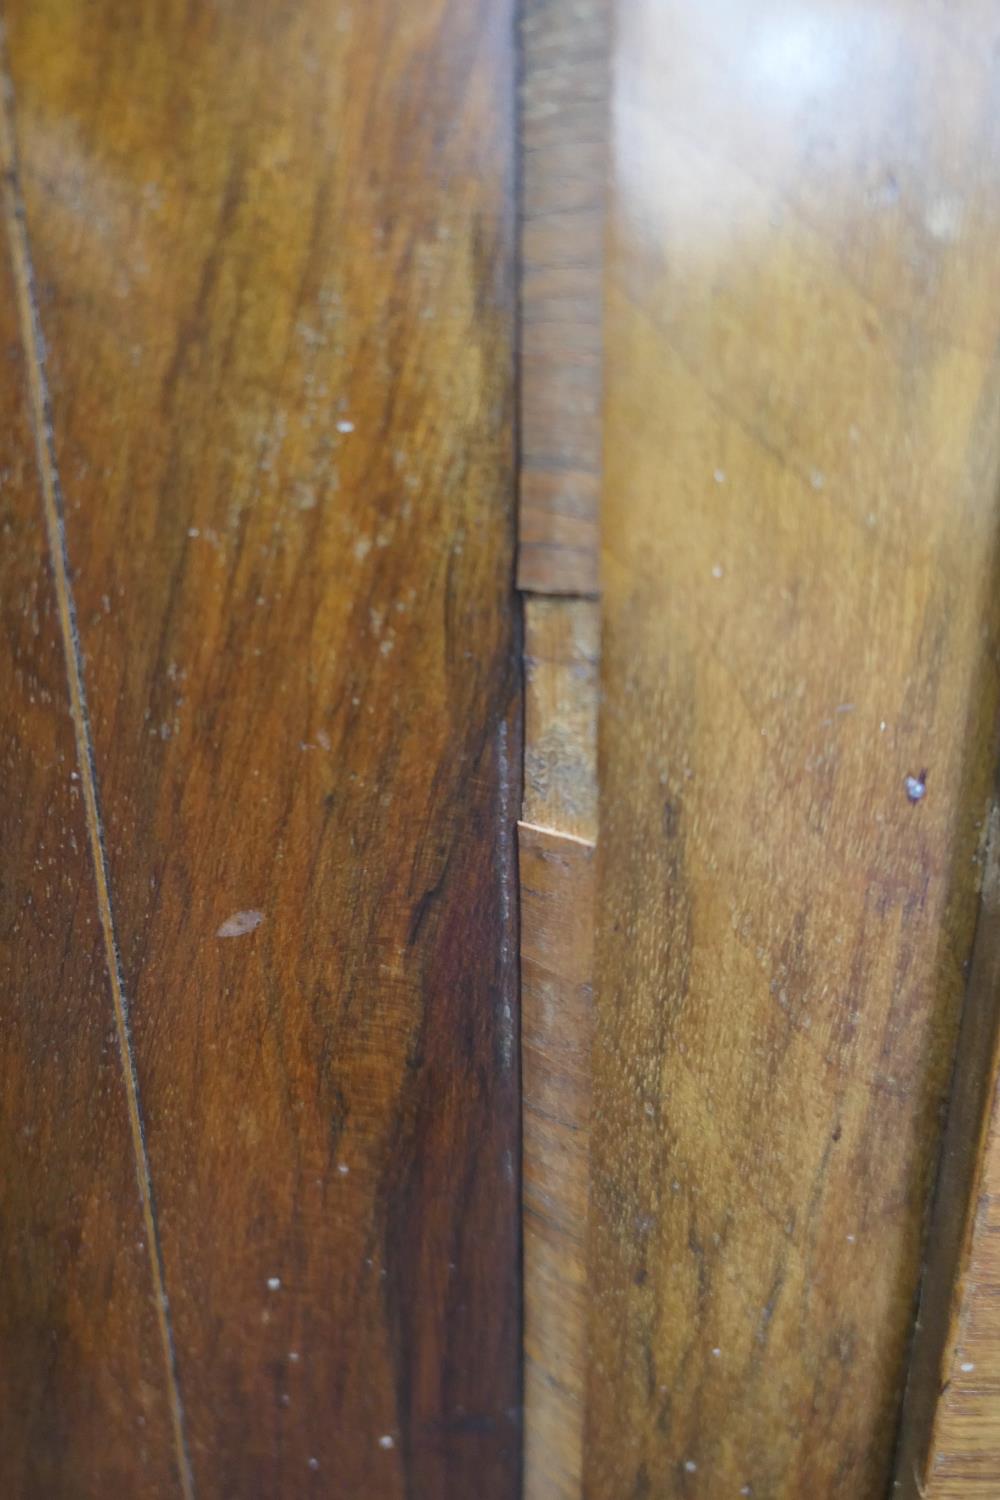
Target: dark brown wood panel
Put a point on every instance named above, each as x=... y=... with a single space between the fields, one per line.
x=273 y=248
x=798 y=723
x=85 y=1394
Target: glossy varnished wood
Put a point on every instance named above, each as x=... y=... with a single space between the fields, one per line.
x=800 y=613
x=273 y=251
x=85 y=1388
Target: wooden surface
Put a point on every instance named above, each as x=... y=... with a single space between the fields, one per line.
x=561 y=660
x=85 y=1390
x=273 y=251
x=563 y=100
x=557 y=943
x=800 y=613
x=950 y=1440
x=564 y=90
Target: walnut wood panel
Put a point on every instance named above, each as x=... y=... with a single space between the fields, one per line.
x=950 y=1444
x=557 y=949
x=85 y=1389
x=797 y=731
x=273 y=249
x=564 y=100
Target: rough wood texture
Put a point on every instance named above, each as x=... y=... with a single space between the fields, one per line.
x=950 y=1444
x=85 y=1388
x=561 y=662
x=564 y=46
x=557 y=946
x=274 y=257
x=799 y=525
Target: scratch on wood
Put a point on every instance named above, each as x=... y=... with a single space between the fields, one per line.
x=31 y=335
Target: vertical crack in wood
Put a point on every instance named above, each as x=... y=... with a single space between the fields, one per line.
x=53 y=511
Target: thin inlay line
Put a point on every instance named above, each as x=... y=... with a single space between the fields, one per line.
x=52 y=504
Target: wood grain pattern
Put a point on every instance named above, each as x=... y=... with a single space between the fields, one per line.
x=85 y=1379
x=950 y=1441
x=561 y=662
x=564 y=100
x=557 y=947
x=274 y=252
x=800 y=613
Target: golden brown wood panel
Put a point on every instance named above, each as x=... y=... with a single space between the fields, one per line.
x=85 y=1393
x=564 y=45
x=950 y=1443
x=800 y=614
x=274 y=258
x=557 y=950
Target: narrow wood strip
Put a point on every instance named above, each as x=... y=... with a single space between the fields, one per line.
x=557 y=902
x=563 y=138
x=950 y=1438
x=561 y=649
x=31 y=339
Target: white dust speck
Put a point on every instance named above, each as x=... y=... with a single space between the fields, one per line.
x=881 y=725
x=967 y=1367
x=385 y=1441
x=944 y=219
x=193 y=531
x=274 y=1283
x=719 y=476
x=240 y=923
x=314 y=1463
x=717 y=570
x=851 y=1239
x=362 y=547
x=322 y=739
x=344 y=425
x=690 y=1467
x=916 y=787
x=716 y=1353
x=343 y=1168
x=817 y=478
x=293 y=1356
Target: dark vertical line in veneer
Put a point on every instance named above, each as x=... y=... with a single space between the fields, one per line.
x=53 y=509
